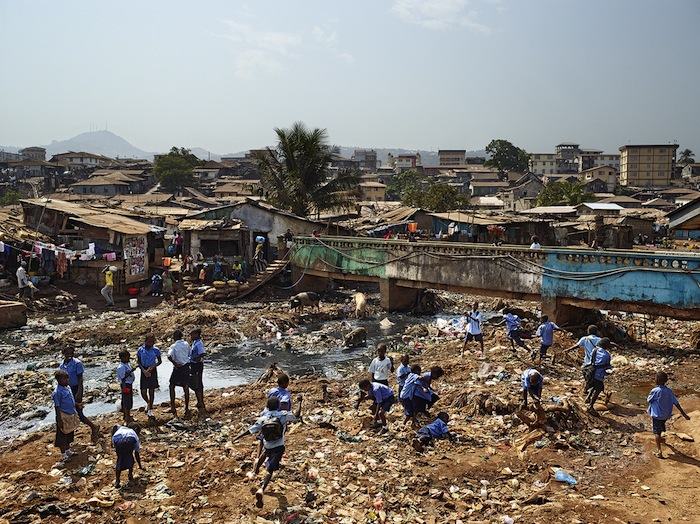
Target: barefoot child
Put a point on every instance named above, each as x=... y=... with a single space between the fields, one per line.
x=661 y=401
x=272 y=425
x=67 y=419
x=546 y=333
x=126 y=443
x=125 y=375
x=382 y=398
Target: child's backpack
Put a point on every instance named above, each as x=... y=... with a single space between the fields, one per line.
x=272 y=428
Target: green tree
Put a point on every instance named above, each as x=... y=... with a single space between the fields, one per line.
x=416 y=190
x=506 y=157
x=686 y=157
x=563 y=193
x=296 y=173
x=10 y=198
x=174 y=170
x=402 y=185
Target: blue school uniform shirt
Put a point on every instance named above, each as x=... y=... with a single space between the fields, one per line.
x=75 y=369
x=435 y=429
x=124 y=433
x=284 y=395
x=588 y=343
x=512 y=322
x=125 y=374
x=528 y=385
x=546 y=332
x=401 y=373
x=285 y=417
x=602 y=362
x=197 y=351
x=63 y=399
x=661 y=401
x=148 y=356
x=422 y=389
x=380 y=392
x=409 y=386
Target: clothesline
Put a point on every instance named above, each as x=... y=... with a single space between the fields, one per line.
x=71 y=254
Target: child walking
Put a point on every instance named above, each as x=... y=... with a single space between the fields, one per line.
x=272 y=425
x=661 y=401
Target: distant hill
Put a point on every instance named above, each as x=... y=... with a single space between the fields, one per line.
x=98 y=142
x=112 y=145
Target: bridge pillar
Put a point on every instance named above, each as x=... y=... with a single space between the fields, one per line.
x=395 y=297
x=565 y=314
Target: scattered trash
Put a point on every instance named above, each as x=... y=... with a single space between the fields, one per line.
x=563 y=476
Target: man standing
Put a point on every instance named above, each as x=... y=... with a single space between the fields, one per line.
x=74 y=369
x=108 y=290
x=474 y=328
x=23 y=282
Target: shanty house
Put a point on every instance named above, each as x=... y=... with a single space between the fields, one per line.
x=93 y=238
x=224 y=238
x=685 y=221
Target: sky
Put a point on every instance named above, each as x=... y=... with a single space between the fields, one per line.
x=426 y=74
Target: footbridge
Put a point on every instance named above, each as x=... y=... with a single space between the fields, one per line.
x=565 y=280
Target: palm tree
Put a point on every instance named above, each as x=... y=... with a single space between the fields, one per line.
x=686 y=157
x=296 y=174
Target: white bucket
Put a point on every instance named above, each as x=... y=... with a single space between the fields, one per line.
x=133 y=302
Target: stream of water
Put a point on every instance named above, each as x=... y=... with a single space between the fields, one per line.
x=228 y=366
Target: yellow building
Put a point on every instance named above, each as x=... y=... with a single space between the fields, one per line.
x=372 y=191
x=647 y=165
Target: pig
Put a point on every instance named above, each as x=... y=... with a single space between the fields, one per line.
x=360 y=305
x=308 y=298
x=356 y=338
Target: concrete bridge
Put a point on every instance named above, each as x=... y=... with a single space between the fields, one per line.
x=564 y=279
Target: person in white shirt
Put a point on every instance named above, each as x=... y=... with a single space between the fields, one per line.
x=381 y=367
x=179 y=355
x=535 y=243
x=474 y=328
x=25 y=289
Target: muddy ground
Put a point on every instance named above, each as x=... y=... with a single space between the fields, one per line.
x=338 y=470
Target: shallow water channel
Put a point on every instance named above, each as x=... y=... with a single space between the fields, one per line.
x=227 y=365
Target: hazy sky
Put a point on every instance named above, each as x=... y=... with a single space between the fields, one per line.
x=386 y=73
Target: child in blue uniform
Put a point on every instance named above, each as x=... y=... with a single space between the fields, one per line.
x=66 y=414
x=661 y=401
x=125 y=375
x=435 y=430
x=382 y=397
x=402 y=372
x=126 y=443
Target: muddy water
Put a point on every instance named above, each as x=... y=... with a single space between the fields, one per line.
x=226 y=366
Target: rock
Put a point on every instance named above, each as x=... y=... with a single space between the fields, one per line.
x=684 y=436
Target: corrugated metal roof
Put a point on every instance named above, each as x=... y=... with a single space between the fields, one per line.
x=602 y=206
x=550 y=210
x=118 y=223
x=196 y=224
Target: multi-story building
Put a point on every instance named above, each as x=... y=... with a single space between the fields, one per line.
x=647 y=165
x=81 y=159
x=372 y=191
x=607 y=174
x=451 y=157
x=570 y=158
x=367 y=158
x=33 y=153
x=407 y=162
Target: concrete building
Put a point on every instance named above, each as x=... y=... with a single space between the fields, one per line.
x=367 y=158
x=372 y=191
x=237 y=188
x=691 y=170
x=407 y=162
x=648 y=165
x=486 y=188
x=451 y=157
x=606 y=173
x=81 y=159
x=570 y=158
x=33 y=153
